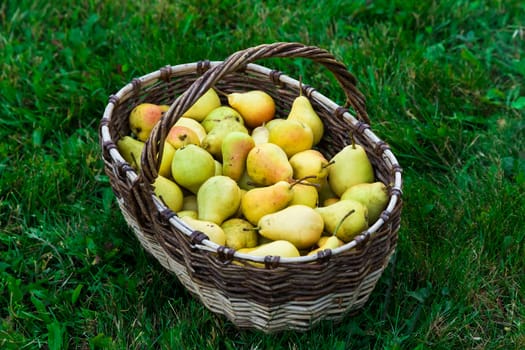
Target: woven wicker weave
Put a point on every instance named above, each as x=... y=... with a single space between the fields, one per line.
x=283 y=293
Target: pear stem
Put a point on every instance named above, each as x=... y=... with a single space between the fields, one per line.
x=331 y=162
x=353 y=139
x=343 y=219
x=302 y=181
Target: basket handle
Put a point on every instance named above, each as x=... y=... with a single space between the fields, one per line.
x=236 y=61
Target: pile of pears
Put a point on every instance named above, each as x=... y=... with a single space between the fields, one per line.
x=254 y=181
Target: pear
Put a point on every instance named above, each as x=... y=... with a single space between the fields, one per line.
x=304 y=193
x=325 y=191
x=260 y=134
x=350 y=167
x=239 y=233
x=234 y=150
x=373 y=195
x=180 y=136
x=189 y=202
x=260 y=201
x=298 y=224
x=218 y=168
x=246 y=182
x=218 y=198
x=169 y=192
x=280 y=248
x=191 y=166
x=214 y=232
x=310 y=163
x=303 y=111
x=143 y=118
x=219 y=115
x=190 y=213
x=203 y=106
x=193 y=125
x=167 y=158
x=212 y=142
x=255 y=106
x=345 y=218
x=131 y=150
x=330 y=200
x=324 y=243
x=291 y=135
x=267 y=164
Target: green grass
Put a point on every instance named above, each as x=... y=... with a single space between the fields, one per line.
x=444 y=84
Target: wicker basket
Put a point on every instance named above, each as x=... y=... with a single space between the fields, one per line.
x=283 y=293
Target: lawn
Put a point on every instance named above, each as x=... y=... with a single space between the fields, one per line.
x=444 y=87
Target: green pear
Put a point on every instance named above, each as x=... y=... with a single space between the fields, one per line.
x=189 y=202
x=267 y=164
x=143 y=118
x=325 y=191
x=203 y=106
x=234 y=149
x=219 y=115
x=255 y=106
x=218 y=199
x=303 y=111
x=214 y=232
x=245 y=182
x=299 y=224
x=349 y=167
x=239 y=233
x=212 y=142
x=190 y=213
x=260 y=201
x=169 y=192
x=218 y=168
x=345 y=218
x=373 y=195
x=311 y=165
x=191 y=166
x=131 y=150
x=291 y=135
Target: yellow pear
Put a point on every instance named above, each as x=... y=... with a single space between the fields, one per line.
x=345 y=218
x=255 y=106
x=260 y=201
x=214 y=232
x=299 y=224
x=303 y=111
x=239 y=233
x=218 y=198
x=331 y=242
x=191 y=166
x=180 y=136
x=267 y=164
x=131 y=150
x=218 y=168
x=167 y=158
x=260 y=134
x=143 y=118
x=311 y=165
x=291 y=135
x=280 y=248
x=190 y=213
x=169 y=192
x=330 y=200
x=204 y=105
x=234 y=150
x=373 y=195
x=219 y=115
x=193 y=125
x=304 y=193
x=349 y=167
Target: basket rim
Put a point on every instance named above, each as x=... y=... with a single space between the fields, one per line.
x=207 y=245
